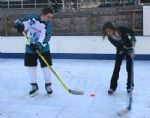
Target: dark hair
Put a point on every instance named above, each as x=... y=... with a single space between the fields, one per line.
x=46 y=11
x=107 y=25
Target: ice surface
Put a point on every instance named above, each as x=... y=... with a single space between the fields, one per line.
x=91 y=76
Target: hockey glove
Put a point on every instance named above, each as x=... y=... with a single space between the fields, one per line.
x=130 y=52
x=19 y=26
x=36 y=46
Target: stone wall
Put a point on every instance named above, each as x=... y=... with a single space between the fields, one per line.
x=79 y=22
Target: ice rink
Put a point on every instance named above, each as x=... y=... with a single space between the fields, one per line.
x=91 y=76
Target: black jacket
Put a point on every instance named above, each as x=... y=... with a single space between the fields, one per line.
x=125 y=40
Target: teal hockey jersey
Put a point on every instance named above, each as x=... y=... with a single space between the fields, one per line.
x=38 y=31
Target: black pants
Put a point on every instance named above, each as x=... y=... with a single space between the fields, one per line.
x=31 y=59
x=118 y=62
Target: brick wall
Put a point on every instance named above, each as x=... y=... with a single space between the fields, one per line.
x=79 y=22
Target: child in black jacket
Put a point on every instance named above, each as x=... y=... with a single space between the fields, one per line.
x=124 y=48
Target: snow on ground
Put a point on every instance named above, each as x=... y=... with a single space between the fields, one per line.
x=91 y=76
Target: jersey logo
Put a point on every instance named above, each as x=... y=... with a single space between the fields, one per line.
x=32 y=22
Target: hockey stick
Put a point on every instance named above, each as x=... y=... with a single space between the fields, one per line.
x=123 y=112
x=75 y=92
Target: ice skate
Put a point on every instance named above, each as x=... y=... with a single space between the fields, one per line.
x=34 y=91
x=48 y=88
x=110 y=91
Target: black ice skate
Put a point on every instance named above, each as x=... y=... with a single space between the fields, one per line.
x=48 y=88
x=34 y=91
x=129 y=90
x=110 y=91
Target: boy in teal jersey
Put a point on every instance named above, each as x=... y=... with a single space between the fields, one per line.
x=38 y=29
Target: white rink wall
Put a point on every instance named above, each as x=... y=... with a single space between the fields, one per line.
x=146 y=19
x=60 y=44
x=73 y=44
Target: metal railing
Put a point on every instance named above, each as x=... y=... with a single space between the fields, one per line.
x=71 y=5
x=25 y=4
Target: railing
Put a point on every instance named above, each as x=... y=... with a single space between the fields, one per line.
x=71 y=5
x=26 y=4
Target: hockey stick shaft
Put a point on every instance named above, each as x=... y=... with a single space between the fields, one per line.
x=122 y=112
x=56 y=75
x=132 y=79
